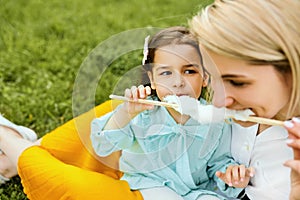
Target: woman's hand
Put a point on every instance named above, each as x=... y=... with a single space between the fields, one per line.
x=236 y=175
x=293 y=128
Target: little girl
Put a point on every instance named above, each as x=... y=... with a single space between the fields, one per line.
x=167 y=155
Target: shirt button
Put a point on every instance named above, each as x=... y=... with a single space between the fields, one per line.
x=247 y=147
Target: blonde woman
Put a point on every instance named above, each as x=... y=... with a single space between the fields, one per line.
x=253 y=54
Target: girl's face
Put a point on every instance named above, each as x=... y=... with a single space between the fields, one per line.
x=239 y=85
x=177 y=71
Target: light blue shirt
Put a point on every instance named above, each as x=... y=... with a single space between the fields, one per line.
x=156 y=152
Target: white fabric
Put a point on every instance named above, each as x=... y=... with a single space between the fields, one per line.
x=208 y=197
x=160 y=193
x=25 y=132
x=3 y=179
x=266 y=153
x=165 y=193
x=242 y=143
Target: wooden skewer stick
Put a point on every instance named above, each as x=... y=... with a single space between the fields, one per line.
x=144 y=101
x=259 y=120
x=262 y=120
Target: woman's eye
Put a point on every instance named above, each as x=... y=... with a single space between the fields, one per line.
x=237 y=83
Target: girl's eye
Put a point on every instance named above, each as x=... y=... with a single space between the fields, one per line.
x=190 y=71
x=165 y=73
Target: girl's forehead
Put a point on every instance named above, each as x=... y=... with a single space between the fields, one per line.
x=181 y=50
x=177 y=56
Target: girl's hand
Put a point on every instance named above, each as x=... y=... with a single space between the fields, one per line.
x=293 y=128
x=236 y=175
x=129 y=109
x=135 y=93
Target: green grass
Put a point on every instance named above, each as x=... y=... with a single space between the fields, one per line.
x=42 y=46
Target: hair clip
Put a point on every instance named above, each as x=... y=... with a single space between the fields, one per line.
x=145 y=51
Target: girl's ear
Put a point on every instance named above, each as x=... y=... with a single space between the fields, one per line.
x=151 y=80
x=205 y=79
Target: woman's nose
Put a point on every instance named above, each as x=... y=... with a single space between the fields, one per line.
x=222 y=101
x=221 y=97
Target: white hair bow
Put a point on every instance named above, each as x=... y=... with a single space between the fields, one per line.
x=145 y=51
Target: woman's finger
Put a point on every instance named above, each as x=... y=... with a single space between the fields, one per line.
x=293 y=164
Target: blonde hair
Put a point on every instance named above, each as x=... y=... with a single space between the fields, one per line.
x=258 y=31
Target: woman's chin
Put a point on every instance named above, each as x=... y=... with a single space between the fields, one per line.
x=244 y=124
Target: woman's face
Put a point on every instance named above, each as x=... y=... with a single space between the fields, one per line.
x=239 y=85
x=177 y=71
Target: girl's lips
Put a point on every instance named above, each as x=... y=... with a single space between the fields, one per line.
x=177 y=94
x=181 y=95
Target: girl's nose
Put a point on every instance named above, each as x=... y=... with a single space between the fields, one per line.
x=178 y=80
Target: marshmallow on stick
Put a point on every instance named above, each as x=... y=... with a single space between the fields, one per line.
x=209 y=113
